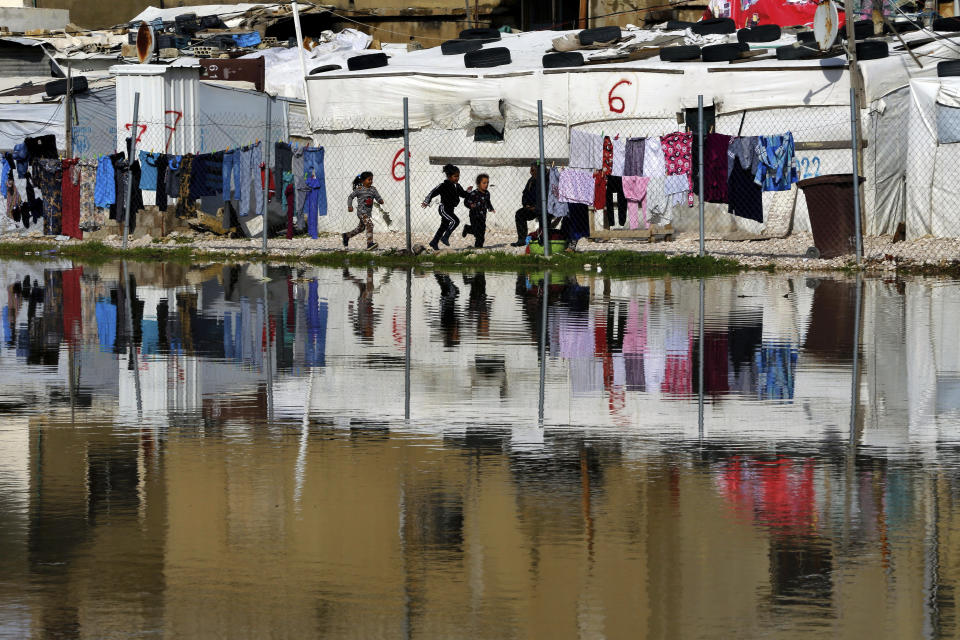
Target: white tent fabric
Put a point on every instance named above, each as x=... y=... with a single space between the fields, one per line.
x=933 y=191
x=229 y=12
x=283 y=77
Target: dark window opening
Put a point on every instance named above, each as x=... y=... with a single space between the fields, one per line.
x=487 y=133
x=384 y=134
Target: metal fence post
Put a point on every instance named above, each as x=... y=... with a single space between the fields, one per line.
x=855 y=379
x=700 y=166
x=132 y=150
x=700 y=366
x=266 y=170
x=406 y=171
x=858 y=232
x=68 y=113
x=544 y=218
x=545 y=301
x=269 y=349
x=406 y=347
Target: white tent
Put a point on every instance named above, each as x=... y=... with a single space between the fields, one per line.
x=932 y=157
x=751 y=97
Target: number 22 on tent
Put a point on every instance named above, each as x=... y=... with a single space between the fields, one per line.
x=808 y=167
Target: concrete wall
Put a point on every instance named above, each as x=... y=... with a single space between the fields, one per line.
x=24 y=19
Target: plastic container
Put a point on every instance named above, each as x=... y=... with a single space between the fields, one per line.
x=830 y=205
x=556 y=246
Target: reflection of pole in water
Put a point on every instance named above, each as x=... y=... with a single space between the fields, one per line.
x=406 y=351
x=269 y=354
x=128 y=303
x=700 y=368
x=855 y=381
x=543 y=341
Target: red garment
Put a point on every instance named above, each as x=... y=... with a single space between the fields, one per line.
x=607 y=166
x=72 y=312
x=715 y=148
x=599 y=190
x=273 y=187
x=70 y=221
x=291 y=197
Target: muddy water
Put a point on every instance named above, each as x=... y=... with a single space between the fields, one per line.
x=237 y=452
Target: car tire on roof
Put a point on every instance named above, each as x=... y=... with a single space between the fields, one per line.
x=368 y=61
x=948 y=68
x=861 y=29
x=493 y=57
x=59 y=87
x=721 y=52
x=679 y=25
x=872 y=50
x=458 y=47
x=682 y=53
x=599 y=34
x=946 y=24
x=563 y=59
x=325 y=68
x=714 y=25
x=759 y=33
x=490 y=35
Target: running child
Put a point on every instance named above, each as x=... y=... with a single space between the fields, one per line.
x=450 y=193
x=478 y=204
x=366 y=194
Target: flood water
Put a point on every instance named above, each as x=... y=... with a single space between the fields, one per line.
x=377 y=453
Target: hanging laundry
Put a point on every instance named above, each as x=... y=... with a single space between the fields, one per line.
x=256 y=163
x=42 y=147
x=744 y=194
x=186 y=206
x=148 y=169
x=715 y=174
x=70 y=220
x=777 y=169
x=14 y=201
x=633 y=157
x=282 y=158
x=616 y=203
x=313 y=168
x=555 y=207
x=619 y=156
x=654 y=167
x=50 y=181
x=586 y=150
x=635 y=189
x=677 y=153
x=163 y=165
x=298 y=167
x=312 y=205
x=5 y=170
x=91 y=217
x=21 y=158
x=576 y=186
x=289 y=195
x=106 y=191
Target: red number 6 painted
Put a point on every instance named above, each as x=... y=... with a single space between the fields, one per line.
x=397 y=163
x=612 y=98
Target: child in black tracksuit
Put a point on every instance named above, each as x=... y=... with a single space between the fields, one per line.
x=450 y=193
x=478 y=204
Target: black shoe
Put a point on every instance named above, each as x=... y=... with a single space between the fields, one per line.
x=371 y=246
x=345 y=239
x=466 y=230
x=445 y=240
x=434 y=245
x=518 y=243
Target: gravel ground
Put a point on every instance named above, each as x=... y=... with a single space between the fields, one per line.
x=787 y=253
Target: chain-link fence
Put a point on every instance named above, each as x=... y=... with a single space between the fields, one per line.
x=775 y=182
x=633 y=182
